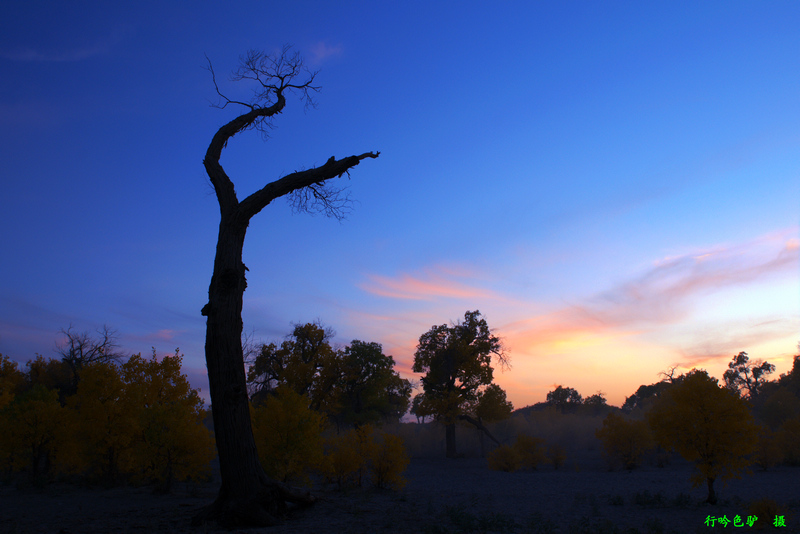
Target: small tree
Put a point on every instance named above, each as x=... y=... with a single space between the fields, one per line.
x=503 y=458
x=530 y=451
x=707 y=425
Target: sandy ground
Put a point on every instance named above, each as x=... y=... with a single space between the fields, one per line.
x=458 y=496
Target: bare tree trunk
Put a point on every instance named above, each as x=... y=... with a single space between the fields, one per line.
x=712 y=496
x=247 y=496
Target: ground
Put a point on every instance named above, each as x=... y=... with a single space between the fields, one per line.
x=457 y=496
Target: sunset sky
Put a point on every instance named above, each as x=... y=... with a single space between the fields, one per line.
x=614 y=185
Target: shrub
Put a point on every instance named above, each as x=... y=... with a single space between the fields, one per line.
x=624 y=441
x=342 y=461
x=388 y=461
x=503 y=458
x=557 y=455
x=529 y=451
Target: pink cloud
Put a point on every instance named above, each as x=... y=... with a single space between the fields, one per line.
x=666 y=295
x=428 y=286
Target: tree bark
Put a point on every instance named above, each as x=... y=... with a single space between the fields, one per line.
x=247 y=496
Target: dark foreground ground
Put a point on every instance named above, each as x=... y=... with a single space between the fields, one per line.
x=456 y=496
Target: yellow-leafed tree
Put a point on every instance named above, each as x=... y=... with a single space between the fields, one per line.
x=530 y=451
x=343 y=460
x=624 y=441
x=288 y=435
x=10 y=380
x=32 y=430
x=503 y=458
x=388 y=461
x=707 y=425
x=172 y=442
x=107 y=423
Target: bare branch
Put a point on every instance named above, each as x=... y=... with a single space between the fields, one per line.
x=80 y=349
x=318 y=198
x=225 y=99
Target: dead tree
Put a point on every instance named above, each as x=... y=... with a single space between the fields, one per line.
x=80 y=349
x=247 y=496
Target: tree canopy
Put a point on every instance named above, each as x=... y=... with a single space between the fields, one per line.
x=354 y=385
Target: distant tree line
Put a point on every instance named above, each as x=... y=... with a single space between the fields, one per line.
x=721 y=428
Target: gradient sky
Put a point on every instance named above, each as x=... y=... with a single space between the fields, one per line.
x=615 y=185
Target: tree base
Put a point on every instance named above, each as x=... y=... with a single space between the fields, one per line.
x=263 y=508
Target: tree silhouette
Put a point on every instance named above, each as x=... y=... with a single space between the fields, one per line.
x=354 y=386
x=80 y=349
x=746 y=378
x=457 y=362
x=296 y=364
x=564 y=398
x=365 y=386
x=247 y=496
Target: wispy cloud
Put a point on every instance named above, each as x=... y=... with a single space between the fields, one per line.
x=665 y=295
x=99 y=47
x=431 y=284
x=321 y=51
x=666 y=292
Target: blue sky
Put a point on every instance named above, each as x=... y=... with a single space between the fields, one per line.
x=614 y=185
